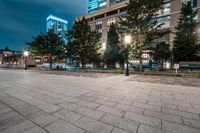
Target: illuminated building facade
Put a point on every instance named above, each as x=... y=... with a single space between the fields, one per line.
x=101 y=18
x=58 y=25
x=7 y=53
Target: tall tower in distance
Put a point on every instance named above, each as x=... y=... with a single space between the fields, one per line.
x=58 y=25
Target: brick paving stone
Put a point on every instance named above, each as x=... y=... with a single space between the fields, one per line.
x=105 y=102
x=169 y=106
x=163 y=116
x=88 y=104
x=141 y=100
x=181 y=104
x=35 y=129
x=146 y=106
x=70 y=99
x=16 y=103
x=180 y=113
x=70 y=106
x=49 y=99
x=26 y=109
x=19 y=127
x=147 y=129
x=129 y=108
x=89 y=112
x=196 y=106
x=5 y=110
x=192 y=123
x=93 y=126
x=121 y=123
x=156 y=103
x=87 y=98
x=117 y=130
x=43 y=105
x=111 y=110
x=151 y=121
x=42 y=118
x=2 y=106
x=50 y=108
x=67 y=115
x=8 y=114
x=61 y=126
x=189 y=109
x=128 y=102
x=176 y=128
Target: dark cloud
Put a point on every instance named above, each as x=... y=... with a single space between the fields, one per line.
x=22 y=19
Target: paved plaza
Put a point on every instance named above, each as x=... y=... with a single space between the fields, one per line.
x=34 y=102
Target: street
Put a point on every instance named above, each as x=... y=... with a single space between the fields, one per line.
x=35 y=102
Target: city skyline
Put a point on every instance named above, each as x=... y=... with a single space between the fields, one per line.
x=21 y=19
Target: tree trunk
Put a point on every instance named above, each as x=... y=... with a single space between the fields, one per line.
x=50 y=62
x=113 y=64
x=161 y=65
x=82 y=65
x=141 y=62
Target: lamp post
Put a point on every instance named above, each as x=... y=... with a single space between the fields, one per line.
x=127 y=40
x=26 y=54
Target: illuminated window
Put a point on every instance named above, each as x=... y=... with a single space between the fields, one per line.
x=98 y=25
x=166 y=9
x=111 y=21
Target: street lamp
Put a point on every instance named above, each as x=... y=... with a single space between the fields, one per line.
x=26 y=54
x=127 y=40
x=104 y=46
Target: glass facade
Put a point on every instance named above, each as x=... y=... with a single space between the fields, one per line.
x=95 y=5
x=112 y=2
x=58 y=25
x=92 y=5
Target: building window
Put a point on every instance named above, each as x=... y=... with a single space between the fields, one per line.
x=111 y=21
x=164 y=19
x=102 y=3
x=98 y=25
x=112 y=2
x=191 y=2
x=167 y=9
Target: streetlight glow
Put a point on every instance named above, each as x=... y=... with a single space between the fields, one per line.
x=127 y=39
x=104 y=46
x=26 y=53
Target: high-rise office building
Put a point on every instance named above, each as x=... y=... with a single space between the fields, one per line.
x=58 y=25
x=102 y=18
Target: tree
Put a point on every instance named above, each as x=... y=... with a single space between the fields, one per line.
x=47 y=47
x=83 y=42
x=161 y=53
x=185 y=42
x=14 y=58
x=112 y=53
x=141 y=22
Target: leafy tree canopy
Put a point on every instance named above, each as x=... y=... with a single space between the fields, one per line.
x=113 y=53
x=47 y=47
x=83 y=42
x=141 y=22
x=185 y=43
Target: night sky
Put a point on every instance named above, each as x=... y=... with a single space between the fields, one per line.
x=22 y=19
